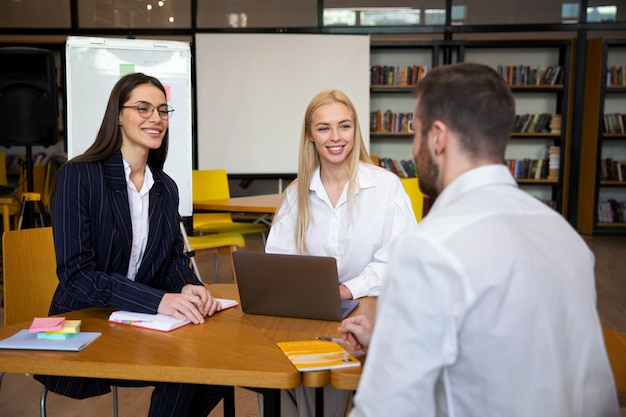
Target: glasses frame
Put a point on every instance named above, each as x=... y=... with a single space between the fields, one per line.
x=169 y=112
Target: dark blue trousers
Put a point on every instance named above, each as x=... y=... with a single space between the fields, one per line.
x=168 y=399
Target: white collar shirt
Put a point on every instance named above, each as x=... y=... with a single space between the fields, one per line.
x=139 y=203
x=488 y=309
x=357 y=235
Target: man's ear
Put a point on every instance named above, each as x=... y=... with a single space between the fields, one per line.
x=439 y=136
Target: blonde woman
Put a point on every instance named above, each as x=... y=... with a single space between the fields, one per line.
x=340 y=205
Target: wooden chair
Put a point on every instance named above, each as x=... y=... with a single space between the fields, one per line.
x=212 y=184
x=615 y=343
x=28 y=285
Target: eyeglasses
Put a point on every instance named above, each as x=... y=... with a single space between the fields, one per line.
x=146 y=110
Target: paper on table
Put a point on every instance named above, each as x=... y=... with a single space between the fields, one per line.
x=27 y=340
x=161 y=322
x=226 y=303
x=47 y=324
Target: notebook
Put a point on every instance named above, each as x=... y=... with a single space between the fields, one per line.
x=290 y=286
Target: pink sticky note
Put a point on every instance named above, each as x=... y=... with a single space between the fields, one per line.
x=46 y=324
x=167 y=92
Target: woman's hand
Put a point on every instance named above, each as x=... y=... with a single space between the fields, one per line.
x=194 y=303
x=345 y=293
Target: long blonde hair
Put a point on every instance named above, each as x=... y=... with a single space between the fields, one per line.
x=309 y=159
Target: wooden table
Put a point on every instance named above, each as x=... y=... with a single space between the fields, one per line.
x=265 y=204
x=226 y=350
x=282 y=329
x=230 y=348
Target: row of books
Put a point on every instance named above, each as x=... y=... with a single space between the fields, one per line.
x=546 y=168
x=615 y=76
x=612 y=170
x=404 y=168
x=614 y=123
x=390 y=122
x=526 y=75
x=611 y=211
x=537 y=123
x=527 y=168
x=389 y=75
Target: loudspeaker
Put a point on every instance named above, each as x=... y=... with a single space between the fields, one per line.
x=28 y=97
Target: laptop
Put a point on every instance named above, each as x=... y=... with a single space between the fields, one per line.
x=299 y=286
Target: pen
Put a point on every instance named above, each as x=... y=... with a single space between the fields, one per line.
x=330 y=339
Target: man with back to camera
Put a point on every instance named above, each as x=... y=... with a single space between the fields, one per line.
x=489 y=306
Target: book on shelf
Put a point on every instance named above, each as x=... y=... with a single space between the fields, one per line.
x=536 y=123
x=390 y=122
x=614 y=123
x=615 y=76
x=523 y=75
x=401 y=76
x=315 y=355
x=611 y=211
x=160 y=322
x=404 y=168
x=612 y=170
x=527 y=168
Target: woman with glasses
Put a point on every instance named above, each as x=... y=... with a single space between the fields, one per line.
x=117 y=237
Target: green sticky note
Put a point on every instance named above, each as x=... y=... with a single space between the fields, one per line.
x=126 y=69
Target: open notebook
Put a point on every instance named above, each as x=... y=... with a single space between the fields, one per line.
x=290 y=286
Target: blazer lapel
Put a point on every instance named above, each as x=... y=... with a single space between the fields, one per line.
x=116 y=185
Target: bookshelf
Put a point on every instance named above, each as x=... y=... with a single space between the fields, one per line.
x=550 y=97
x=603 y=138
x=538 y=72
x=393 y=94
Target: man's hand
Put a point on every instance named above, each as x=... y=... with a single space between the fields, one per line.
x=356 y=333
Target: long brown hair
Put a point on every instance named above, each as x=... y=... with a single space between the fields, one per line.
x=109 y=138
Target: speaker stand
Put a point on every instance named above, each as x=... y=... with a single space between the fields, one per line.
x=29 y=198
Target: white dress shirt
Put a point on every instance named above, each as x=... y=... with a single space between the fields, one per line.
x=139 y=203
x=488 y=309
x=356 y=234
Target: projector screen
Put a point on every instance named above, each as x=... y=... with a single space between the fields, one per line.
x=252 y=91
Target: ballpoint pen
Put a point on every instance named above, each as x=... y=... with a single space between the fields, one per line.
x=330 y=339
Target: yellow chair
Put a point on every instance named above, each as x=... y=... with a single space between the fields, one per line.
x=212 y=184
x=411 y=185
x=29 y=286
x=217 y=244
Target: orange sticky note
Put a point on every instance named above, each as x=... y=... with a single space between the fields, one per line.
x=46 y=324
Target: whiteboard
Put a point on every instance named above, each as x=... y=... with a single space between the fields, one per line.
x=94 y=65
x=253 y=89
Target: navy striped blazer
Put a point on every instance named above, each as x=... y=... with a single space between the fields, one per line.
x=93 y=236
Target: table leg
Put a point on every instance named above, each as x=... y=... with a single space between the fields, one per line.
x=271 y=401
x=319 y=402
x=229 y=404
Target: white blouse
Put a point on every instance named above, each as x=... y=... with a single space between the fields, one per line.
x=357 y=234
